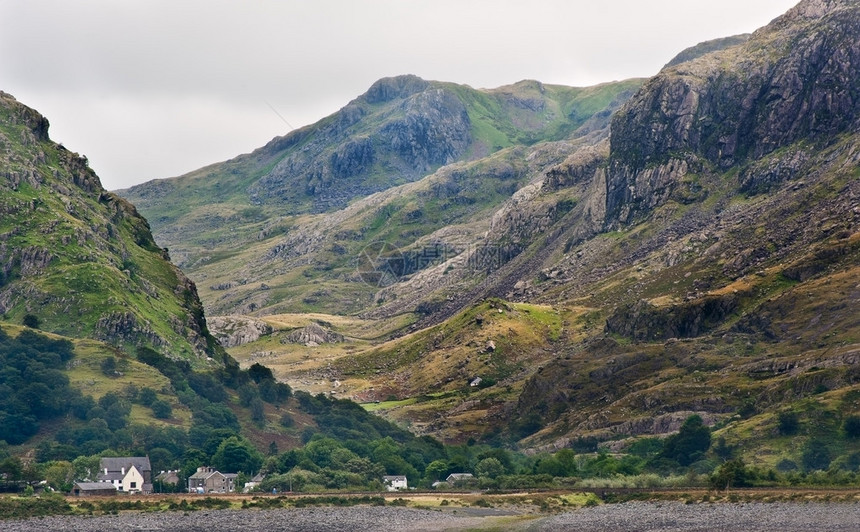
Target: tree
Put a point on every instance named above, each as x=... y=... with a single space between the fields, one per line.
x=731 y=474
x=550 y=466
x=146 y=396
x=489 y=467
x=788 y=423
x=235 y=454
x=86 y=467
x=567 y=459
x=815 y=455
x=161 y=409
x=160 y=458
x=274 y=392
x=108 y=366
x=259 y=372
x=320 y=449
x=436 y=470
x=690 y=443
x=723 y=449
x=59 y=475
x=12 y=468
x=851 y=426
x=31 y=321
x=258 y=411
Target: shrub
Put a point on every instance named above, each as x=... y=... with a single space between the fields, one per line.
x=851 y=426
x=31 y=321
x=788 y=423
x=816 y=455
x=161 y=409
x=287 y=420
x=690 y=443
x=785 y=465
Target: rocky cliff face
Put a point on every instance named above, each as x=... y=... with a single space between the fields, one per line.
x=82 y=260
x=420 y=127
x=731 y=191
x=794 y=80
x=703 y=258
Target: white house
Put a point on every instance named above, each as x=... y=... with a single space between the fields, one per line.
x=127 y=474
x=395 y=482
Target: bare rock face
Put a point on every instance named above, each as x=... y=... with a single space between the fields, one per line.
x=387 y=89
x=425 y=128
x=314 y=334
x=793 y=80
x=124 y=327
x=645 y=322
x=232 y=331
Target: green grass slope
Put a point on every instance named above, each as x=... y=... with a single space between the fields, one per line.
x=80 y=259
x=219 y=219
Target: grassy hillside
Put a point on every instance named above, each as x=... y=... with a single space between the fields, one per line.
x=674 y=277
x=80 y=260
x=225 y=238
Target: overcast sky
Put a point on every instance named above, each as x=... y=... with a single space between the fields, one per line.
x=150 y=89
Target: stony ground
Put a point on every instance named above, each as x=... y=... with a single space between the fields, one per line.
x=637 y=516
x=750 y=517
x=357 y=518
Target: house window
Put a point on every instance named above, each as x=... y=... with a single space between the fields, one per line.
x=133 y=485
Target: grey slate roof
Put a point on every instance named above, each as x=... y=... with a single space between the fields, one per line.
x=206 y=473
x=94 y=486
x=118 y=463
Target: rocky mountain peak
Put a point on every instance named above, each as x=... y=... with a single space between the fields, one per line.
x=387 y=89
x=36 y=123
x=815 y=9
x=793 y=80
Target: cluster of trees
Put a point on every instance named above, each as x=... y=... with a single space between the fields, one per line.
x=103 y=428
x=33 y=387
x=344 y=448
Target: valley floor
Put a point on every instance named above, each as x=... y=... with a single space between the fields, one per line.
x=639 y=516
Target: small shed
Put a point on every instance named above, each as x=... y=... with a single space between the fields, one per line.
x=93 y=489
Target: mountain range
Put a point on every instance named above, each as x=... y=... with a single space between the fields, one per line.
x=534 y=265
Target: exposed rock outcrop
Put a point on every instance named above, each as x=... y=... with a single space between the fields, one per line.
x=232 y=331
x=313 y=334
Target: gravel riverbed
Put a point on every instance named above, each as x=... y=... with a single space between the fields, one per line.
x=635 y=516
x=672 y=516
